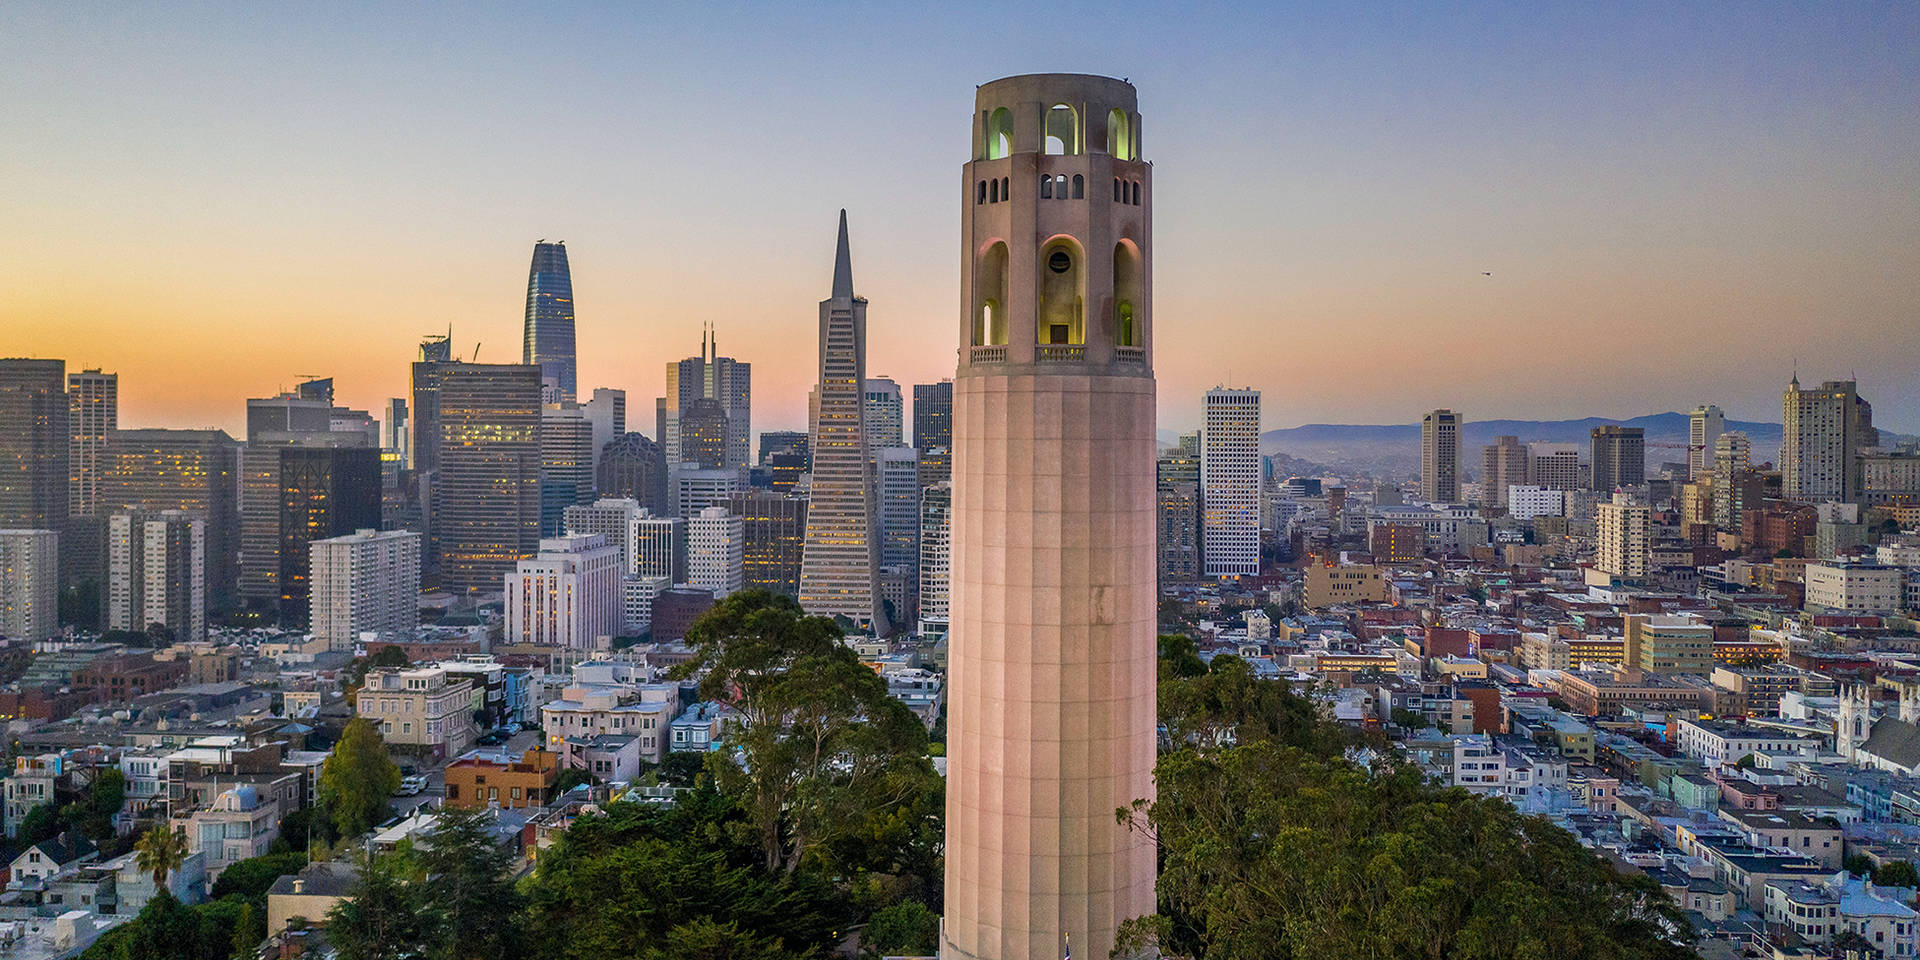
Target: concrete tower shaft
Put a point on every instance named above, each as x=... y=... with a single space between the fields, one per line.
x=1051 y=707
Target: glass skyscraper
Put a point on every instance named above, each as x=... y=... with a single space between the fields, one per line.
x=548 y=338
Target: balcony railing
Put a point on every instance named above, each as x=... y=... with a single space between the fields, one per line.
x=1130 y=354
x=988 y=355
x=1061 y=353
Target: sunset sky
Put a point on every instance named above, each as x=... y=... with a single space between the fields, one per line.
x=1676 y=202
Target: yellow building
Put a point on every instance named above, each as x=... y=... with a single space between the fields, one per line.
x=1661 y=644
x=1327 y=584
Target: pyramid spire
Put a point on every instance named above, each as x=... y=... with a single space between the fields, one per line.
x=842 y=264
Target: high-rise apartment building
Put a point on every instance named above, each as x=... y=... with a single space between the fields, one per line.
x=1734 y=484
x=34 y=444
x=566 y=463
x=1503 y=463
x=1178 y=526
x=1619 y=457
x=933 y=430
x=365 y=582
x=936 y=557
x=1823 y=432
x=776 y=535
x=633 y=467
x=568 y=595
x=156 y=573
x=716 y=551
x=723 y=380
x=1622 y=528
x=1439 y=457
x=1230 y=483
x=93 y=412
x=840 y=568
x=1555 y=466
x=486 y=515
x=29 y=584
x=1704 y=426
x=196 y=471
x=547 y=337
x=899 y=513
x=886 y=418
x=1050 y=716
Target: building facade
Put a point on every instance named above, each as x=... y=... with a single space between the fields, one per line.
x=1619 y=457
x=840 y=565
x=34 y=444
x=29 y=584
x=1823 y=432
x=547 y=335
x=568 y=595
x=1440 y=457
x=365 y=582
x=716 y=551
x=486 y=515
x=1230 y=483
x=156 y=573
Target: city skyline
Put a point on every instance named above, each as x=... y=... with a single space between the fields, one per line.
x=1680 y=201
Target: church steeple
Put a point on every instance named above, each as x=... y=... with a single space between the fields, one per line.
x=842 y=264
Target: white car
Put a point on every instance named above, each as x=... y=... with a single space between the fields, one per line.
x=411 y=786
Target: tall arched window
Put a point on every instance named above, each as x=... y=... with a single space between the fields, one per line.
x=1079 y=187
x=995 y=193
x=999 y=134
x=1062 y=133
x=1060 y=186
x=1119 y=136
x=1061 y=311
x=980 y=194
x=1046 y=187
x=1006 y=188
x=1127 y=294
x=990 y=297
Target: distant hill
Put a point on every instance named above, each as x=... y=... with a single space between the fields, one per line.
x=1396 y=447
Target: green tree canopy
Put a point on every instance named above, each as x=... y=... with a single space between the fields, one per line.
x=1899 y=873
x=832 y=766
x=468 y=892
x=358 y=779
x=1275 y=845
x=384 y=917
x=160 y=852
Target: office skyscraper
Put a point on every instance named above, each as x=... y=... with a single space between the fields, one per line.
x=723 y=380
x=933 y=430
x=487 y=493
x=566 y=463
x=1704 y=426
x=839 y=571
x=1440 y=457
x=156 y=573
x=297 y=488
x=1503 y=463
x=29 y=584
x=936 y=556
x=196 y=471
x=1555 y=466
x=1619 y=457
x=716 y=550
x=633 y=467
x=776 y=535
x=607 y=411
x=1051 y=710
x=34 y=444
x=93 y=411
x=899 y=510
x=567 y=596
x=1822 y=433
x=886 y=418
x=1230 y=483
x=547 y=338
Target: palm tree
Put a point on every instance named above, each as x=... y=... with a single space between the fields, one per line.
x=162 y=851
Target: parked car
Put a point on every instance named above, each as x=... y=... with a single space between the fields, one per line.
x=494 y=738
x=411 y=786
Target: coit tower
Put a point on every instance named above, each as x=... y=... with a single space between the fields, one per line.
x=1051 y=657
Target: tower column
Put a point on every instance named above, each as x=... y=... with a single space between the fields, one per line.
x=1051 y=711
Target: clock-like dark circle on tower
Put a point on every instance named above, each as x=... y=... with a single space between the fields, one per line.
x=1059 y=262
